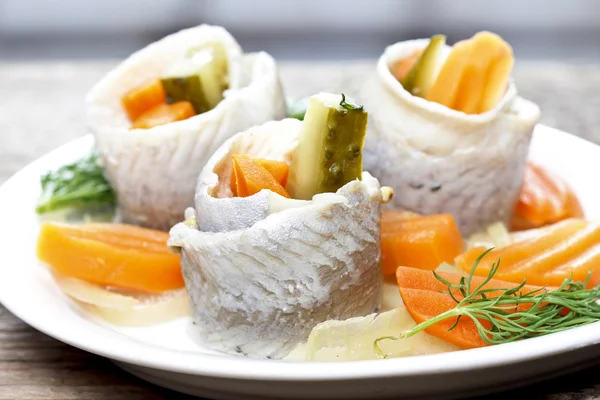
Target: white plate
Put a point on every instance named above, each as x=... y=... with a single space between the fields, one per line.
x=165 y=355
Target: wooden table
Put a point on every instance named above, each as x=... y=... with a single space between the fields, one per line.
x=41 y=107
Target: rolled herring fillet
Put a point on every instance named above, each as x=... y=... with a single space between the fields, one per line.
x=263 y=270
x=153 y=171
x=439 y=160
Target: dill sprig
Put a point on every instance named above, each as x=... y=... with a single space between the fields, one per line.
x=513 y=314
x=349 y=106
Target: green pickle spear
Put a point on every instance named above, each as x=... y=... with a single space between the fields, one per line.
x=200 y=78
x=421 y=76
x=329 y=151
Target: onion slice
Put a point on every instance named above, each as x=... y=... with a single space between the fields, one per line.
x=119 y=309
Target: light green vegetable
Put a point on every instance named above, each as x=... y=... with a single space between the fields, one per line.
x=200 y=78
x=329 y=151
x=77 y=185
x=421 y=76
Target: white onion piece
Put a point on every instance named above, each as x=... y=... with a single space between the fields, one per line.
x=140 y=310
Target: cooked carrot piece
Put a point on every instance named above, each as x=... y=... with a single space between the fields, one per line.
x=562 y=246
x=445 y=87
x=164 y=114
x=279 y=169
x=390 y=217
x=487 y=47
x=544 y=199
x=497 y=76
x=401 y=67
x=143 y=98
x=251 y=177
x=419 y=242
x=420 y=292
x=117 y=255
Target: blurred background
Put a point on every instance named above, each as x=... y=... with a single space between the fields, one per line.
x=292 y=30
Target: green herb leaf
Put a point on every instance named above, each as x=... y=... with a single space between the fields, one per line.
x=569 y=306
x=349 y=106
x=78 y=185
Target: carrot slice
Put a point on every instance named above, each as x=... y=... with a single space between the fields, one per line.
x=251 y=177
x=544 y=199
x=419 y=242
x=444 y=89
x=563 y=245
x=420 y=292
x=424 y=304
x=389 y=217
x=164 y=114
x=143 y=98
x=497 y=76
x=118 y=255
x=401 y=67
x=279 y=169
x=470 y=92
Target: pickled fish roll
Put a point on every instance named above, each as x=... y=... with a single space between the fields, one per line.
x=284 y=234
x=160 y=114
x=448 y=131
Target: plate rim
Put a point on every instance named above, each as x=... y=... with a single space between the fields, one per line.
x=236 y=367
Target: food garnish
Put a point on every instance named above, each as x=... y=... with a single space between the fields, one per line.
x=544 y=199
x=250 y=176
x=124 y=256
x=329 y=152
x=567 y=249
x=418 y=241
x=77 y=185
x=476 y=311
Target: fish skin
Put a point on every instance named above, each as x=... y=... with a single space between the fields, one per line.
x=258 y=288
x=439 y=160
x=154 y=171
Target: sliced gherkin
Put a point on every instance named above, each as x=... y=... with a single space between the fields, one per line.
x=329 y=151
x=423 y=74
x=200 y=78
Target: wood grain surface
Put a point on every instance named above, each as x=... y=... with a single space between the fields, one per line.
x=41 y=107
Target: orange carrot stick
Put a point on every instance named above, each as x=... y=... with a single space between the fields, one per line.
x=164 y=114
x=143 y=98
x=118 y=255
x=251 y=178
x=420 y=242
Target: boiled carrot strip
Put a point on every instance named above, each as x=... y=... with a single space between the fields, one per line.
x=414 y=278
x=389 y=217
x=251 y=177
x=516 y=252
x=445 y=87
x=474 y=79
x=578 y=268
x=420 y=242
x=164 y=114
x=117 y=255
x=279 y=169
x=143 y=98
x=544 y=199
x=497 y=77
